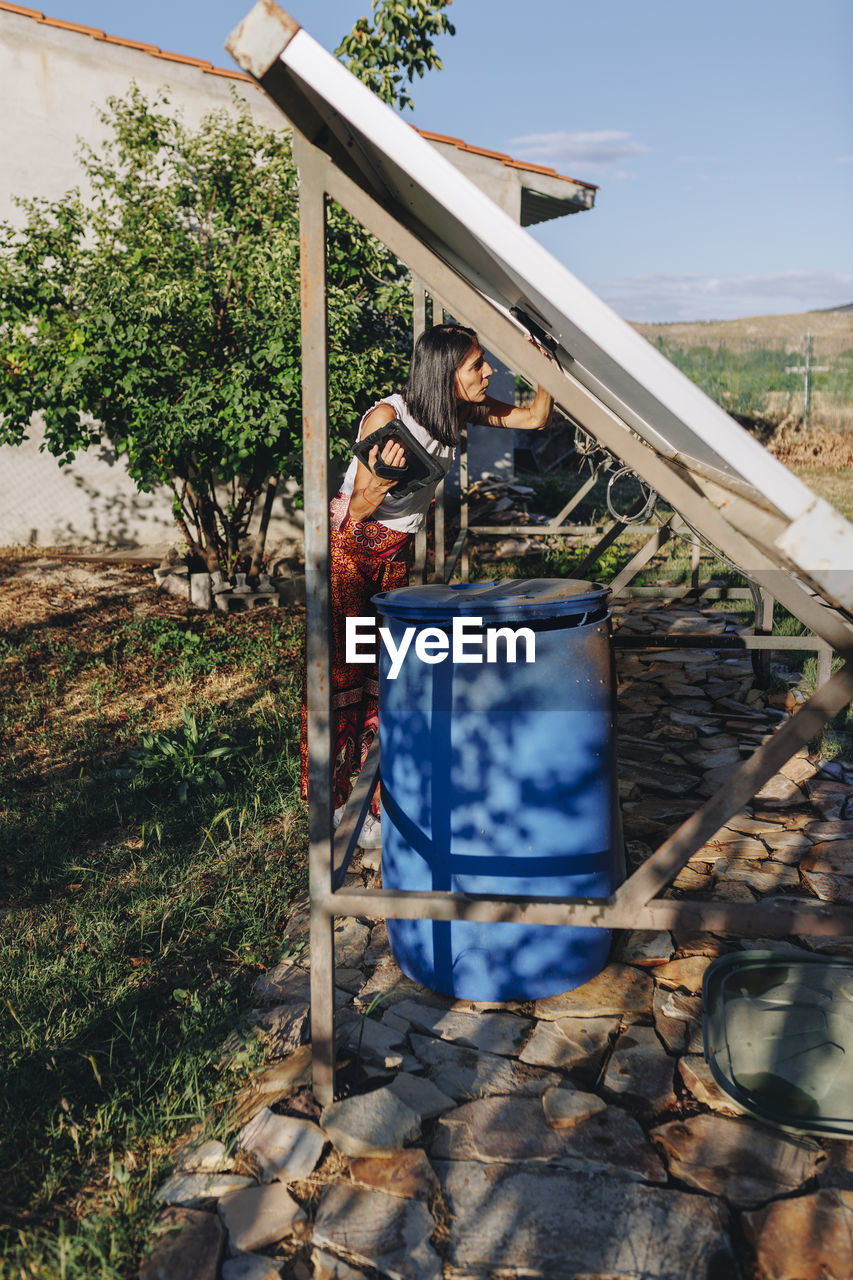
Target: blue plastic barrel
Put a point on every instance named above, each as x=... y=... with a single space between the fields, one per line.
x=498 y=776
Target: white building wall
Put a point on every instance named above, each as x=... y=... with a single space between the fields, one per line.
x=52 y=83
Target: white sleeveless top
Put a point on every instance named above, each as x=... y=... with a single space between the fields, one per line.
x=408 y=513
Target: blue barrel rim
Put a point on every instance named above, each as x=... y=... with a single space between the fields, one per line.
x=521 y=598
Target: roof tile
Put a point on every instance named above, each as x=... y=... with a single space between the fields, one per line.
x=439 y=137
x=25 y=13
x=72 y=26
x=483 y=151
x=182 y=57
x=132 y=44
x=500 y=155
x=232 y=75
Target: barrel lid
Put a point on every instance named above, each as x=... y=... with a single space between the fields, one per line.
x=502 y=598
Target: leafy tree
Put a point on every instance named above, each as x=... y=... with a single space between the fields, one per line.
x=161 y=311
x=398 y=44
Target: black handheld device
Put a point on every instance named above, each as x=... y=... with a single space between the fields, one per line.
x=420 y=470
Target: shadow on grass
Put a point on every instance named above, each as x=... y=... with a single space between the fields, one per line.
x=134 y=929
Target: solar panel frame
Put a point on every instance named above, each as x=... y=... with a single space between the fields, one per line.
x=388 y=160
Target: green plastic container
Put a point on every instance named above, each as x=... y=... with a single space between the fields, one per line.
x=778 y=1032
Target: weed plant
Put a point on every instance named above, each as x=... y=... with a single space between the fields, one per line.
x=132 y=924
x=182 y=759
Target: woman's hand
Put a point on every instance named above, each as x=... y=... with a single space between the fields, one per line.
x=393 y=455
x=371 y=494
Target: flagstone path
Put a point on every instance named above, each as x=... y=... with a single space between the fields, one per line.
x=580 y=1136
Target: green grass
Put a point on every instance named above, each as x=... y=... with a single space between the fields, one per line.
x=134 y=923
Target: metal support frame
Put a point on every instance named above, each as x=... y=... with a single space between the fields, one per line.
x=315 y=410
x=456 y=551
x=667 y=860
x=548 y=530
x=695 y=557
x=634 y=904
x=639 y=561
x=575 y=500
x=419 y=325
x=460 y=546
x=439 y=573
x=554 y=527
x=683 y=640
x=610 y=535
x=763 y=602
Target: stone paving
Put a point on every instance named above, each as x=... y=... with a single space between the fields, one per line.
x=579 y=1137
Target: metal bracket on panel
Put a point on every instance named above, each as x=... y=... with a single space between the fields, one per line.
x=260 y=39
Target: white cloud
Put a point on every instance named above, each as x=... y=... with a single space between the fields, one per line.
x=844 y=159
x=593 y=149
x=662 y=296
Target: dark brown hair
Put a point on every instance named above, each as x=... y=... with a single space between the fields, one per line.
x=430 y=393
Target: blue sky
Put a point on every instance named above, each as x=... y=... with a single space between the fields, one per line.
x=721 y=134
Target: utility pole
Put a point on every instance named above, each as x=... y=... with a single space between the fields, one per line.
x=807 y=369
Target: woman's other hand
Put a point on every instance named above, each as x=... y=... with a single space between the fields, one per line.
x=371 y=489
x=393 y=455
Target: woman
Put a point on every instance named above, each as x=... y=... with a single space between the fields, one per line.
x=372 y=532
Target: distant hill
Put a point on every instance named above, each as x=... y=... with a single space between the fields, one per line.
x=832 y=332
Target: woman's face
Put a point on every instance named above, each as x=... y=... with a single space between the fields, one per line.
x=472 y=376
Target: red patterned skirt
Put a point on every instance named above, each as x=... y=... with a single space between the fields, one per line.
x=366 y=557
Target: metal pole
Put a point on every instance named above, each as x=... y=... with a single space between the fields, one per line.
x=695 y=559
x=438 y=572
x=440 y=510
x=772 y=918
x=573 y=502
x=419 y=324
x=642 y=558
x=592 y=557
x=763 y=626
x=806 y=387
x=807 y=369
x=315 y=409
x=824 y=664
x=463 y=506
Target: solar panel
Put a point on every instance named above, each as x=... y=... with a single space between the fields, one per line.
x=617 y=368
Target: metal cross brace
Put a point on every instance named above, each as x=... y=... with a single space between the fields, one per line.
x=634 y=904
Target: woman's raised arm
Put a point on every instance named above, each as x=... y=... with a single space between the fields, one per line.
x=532 y=417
